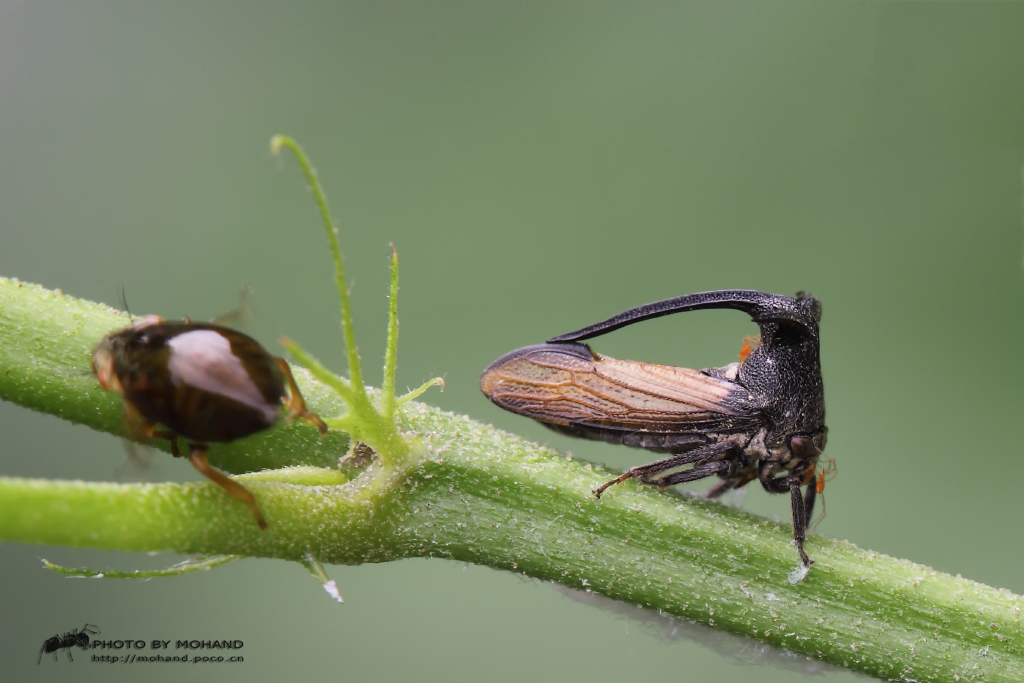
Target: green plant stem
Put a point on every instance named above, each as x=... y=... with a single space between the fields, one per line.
x=476 y=494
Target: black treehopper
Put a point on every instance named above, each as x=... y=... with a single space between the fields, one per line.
x=761 y=418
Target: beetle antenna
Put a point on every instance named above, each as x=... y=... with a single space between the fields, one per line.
x=124 y=302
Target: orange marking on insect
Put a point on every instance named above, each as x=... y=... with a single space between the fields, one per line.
x=808 y=476
x=749 y=344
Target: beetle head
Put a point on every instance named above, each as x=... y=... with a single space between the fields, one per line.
x=112 y=347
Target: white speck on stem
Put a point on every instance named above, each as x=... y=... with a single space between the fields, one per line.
x=798 y=574
x=332 y=589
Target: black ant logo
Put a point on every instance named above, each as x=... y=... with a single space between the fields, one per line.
x=75 y=637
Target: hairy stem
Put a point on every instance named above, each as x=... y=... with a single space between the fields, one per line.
x=387 y=399
x=354 y=369
x=471 y=493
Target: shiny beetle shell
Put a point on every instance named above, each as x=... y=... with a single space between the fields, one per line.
x=203 y=382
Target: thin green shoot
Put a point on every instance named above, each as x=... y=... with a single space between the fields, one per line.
x=190 y=565
x=354 y=370
x=387 y=407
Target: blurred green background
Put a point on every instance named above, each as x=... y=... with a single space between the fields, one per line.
x=539 y=166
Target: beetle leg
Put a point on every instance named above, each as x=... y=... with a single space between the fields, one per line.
x=719 y=489
x=139 y=428
x=809 y=498
x=296 y=404
x=799 y=520
x=135 y=426
x=709 y=452
x=197 y=454
x=723 y=467
x=722 y=487
x=773 y=484
x=150 y=431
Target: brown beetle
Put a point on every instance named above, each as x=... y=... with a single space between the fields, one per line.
x=205 y=383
